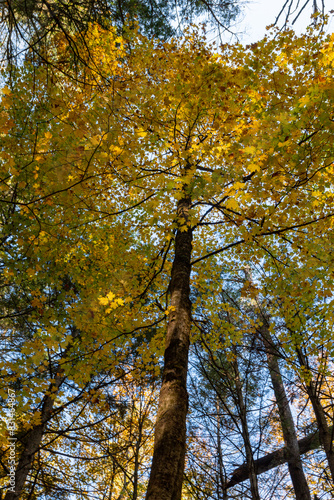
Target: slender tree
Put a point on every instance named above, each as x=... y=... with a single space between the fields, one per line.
x=295 y=465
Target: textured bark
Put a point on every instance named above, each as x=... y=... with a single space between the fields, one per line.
x=295 y=465
x=326 y=433
x=170 y=429
x=32 y=441
x=274 y=459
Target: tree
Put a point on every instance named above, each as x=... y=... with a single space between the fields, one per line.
x=226 y=374
x=31 y=25
x=305 y=319
x=288 y=428
x=239 y=368
x=297 y=475
x=50 y=306
x=233 y=140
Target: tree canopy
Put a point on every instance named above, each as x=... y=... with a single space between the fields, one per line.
x=171 y=204
x=31 y=25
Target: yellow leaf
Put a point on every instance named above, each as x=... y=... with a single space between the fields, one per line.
x=232 y=204
x=254 y=168
x=36 y=302
x=95 y=140
x=103 y=301
x=238 y=185
x=250 y=150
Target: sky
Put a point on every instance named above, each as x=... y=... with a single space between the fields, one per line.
x=257 y=14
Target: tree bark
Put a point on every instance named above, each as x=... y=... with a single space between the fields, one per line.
x=167 y=468
x=32 y=441
x=295 y=465
x=325 y=431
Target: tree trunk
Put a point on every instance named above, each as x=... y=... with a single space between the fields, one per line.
x=295 y=465
x=32 y=441
x=325 y=431
x=170 y=429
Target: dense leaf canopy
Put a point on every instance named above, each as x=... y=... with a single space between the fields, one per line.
x=156 y=149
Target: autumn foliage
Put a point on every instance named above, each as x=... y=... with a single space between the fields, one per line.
x=132 y=196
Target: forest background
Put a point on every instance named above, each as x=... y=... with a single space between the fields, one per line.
x=166 y=210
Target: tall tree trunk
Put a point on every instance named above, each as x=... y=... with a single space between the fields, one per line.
x=32 y=440
x=325 y=431
x=245 y=435
x=170 y=429
x=295 y=465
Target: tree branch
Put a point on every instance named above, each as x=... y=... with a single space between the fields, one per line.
x=272 y=460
